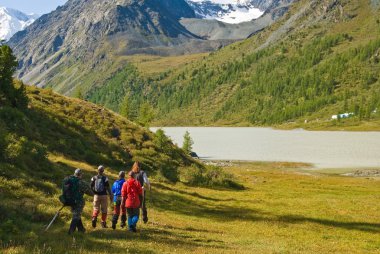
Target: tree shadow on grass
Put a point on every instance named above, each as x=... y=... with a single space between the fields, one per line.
x=193 y=194
x=61 y=242
x=171 y=237
x=182 y=205
x=226 y=212
x=360 y=226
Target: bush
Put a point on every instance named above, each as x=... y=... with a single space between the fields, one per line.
x=210 y=176
x=15 y=147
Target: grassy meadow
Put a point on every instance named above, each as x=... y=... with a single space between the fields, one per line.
x=283 y=209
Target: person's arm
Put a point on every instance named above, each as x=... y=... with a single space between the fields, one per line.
x=123 y=194
x=146 y=181
x=85 y=188
x=92 y=184
x=139 y=188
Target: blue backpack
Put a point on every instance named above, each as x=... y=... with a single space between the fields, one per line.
x=116 y=189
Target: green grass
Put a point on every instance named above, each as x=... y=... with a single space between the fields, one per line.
x=280 y=211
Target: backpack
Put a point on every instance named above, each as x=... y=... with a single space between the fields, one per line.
x=99 y=184
x=70 y=191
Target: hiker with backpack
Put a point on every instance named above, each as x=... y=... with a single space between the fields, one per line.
x=72 y=195
x=142 y=178
x=130 y=192
x=116 y=190
x=101 y=188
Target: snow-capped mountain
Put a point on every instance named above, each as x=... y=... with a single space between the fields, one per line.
x=12 y=21
x=228 y=11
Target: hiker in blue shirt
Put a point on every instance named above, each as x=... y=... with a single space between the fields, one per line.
x=116 y=190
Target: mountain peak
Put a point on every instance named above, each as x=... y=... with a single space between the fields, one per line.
x=12 y=21
x=228 y=11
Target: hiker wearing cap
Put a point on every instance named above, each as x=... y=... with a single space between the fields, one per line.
x=116 y=190
x=130 y=199
x=144 y=182
x=101 y=188
x=77 y=189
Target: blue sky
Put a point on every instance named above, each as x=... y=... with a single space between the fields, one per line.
x=33 y=6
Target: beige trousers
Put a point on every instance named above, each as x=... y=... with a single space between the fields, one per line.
x=100 y=203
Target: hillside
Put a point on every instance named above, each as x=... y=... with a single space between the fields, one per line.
x=320 y=60
x=42 y=144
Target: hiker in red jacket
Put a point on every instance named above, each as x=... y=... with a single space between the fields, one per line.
x=130 y=199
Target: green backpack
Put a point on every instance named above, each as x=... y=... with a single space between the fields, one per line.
x=70 y=191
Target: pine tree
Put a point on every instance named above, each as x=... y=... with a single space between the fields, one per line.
x=187 y=143
x=9 y=94
x=146 y=114
x=124 y=107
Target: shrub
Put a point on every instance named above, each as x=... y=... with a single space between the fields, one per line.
x=15 y=147
x=210 y=176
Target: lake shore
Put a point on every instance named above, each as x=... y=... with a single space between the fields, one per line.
x=298 y=167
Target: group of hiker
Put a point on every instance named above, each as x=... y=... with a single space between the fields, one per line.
x=127 y=196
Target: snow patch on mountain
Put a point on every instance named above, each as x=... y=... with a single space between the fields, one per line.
x=12 y=21
x=228 y=11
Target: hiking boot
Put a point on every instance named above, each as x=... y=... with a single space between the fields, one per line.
x=123 y=221
x=113 y=225
x=145 y=220
x=104 y=224
x=134 y=230
x=94 y=222
x=81 y=227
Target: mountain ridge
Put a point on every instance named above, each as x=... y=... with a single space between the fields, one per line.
x=12 y=21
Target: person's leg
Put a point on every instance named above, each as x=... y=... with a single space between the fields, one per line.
x=135 y=218
x=130 y=216
x=104 y=209
x=95 y=212
x=116 y=213
x=123 y=216
x=74 y=221
x=144 y=210
x=79 y=217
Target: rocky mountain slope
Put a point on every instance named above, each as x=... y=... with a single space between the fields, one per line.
x=90 y=34
x=64 y=49
x=12 y=21
x=212 y=27
x=320 y=59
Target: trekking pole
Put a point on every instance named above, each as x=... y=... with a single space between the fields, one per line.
x=55 y=217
